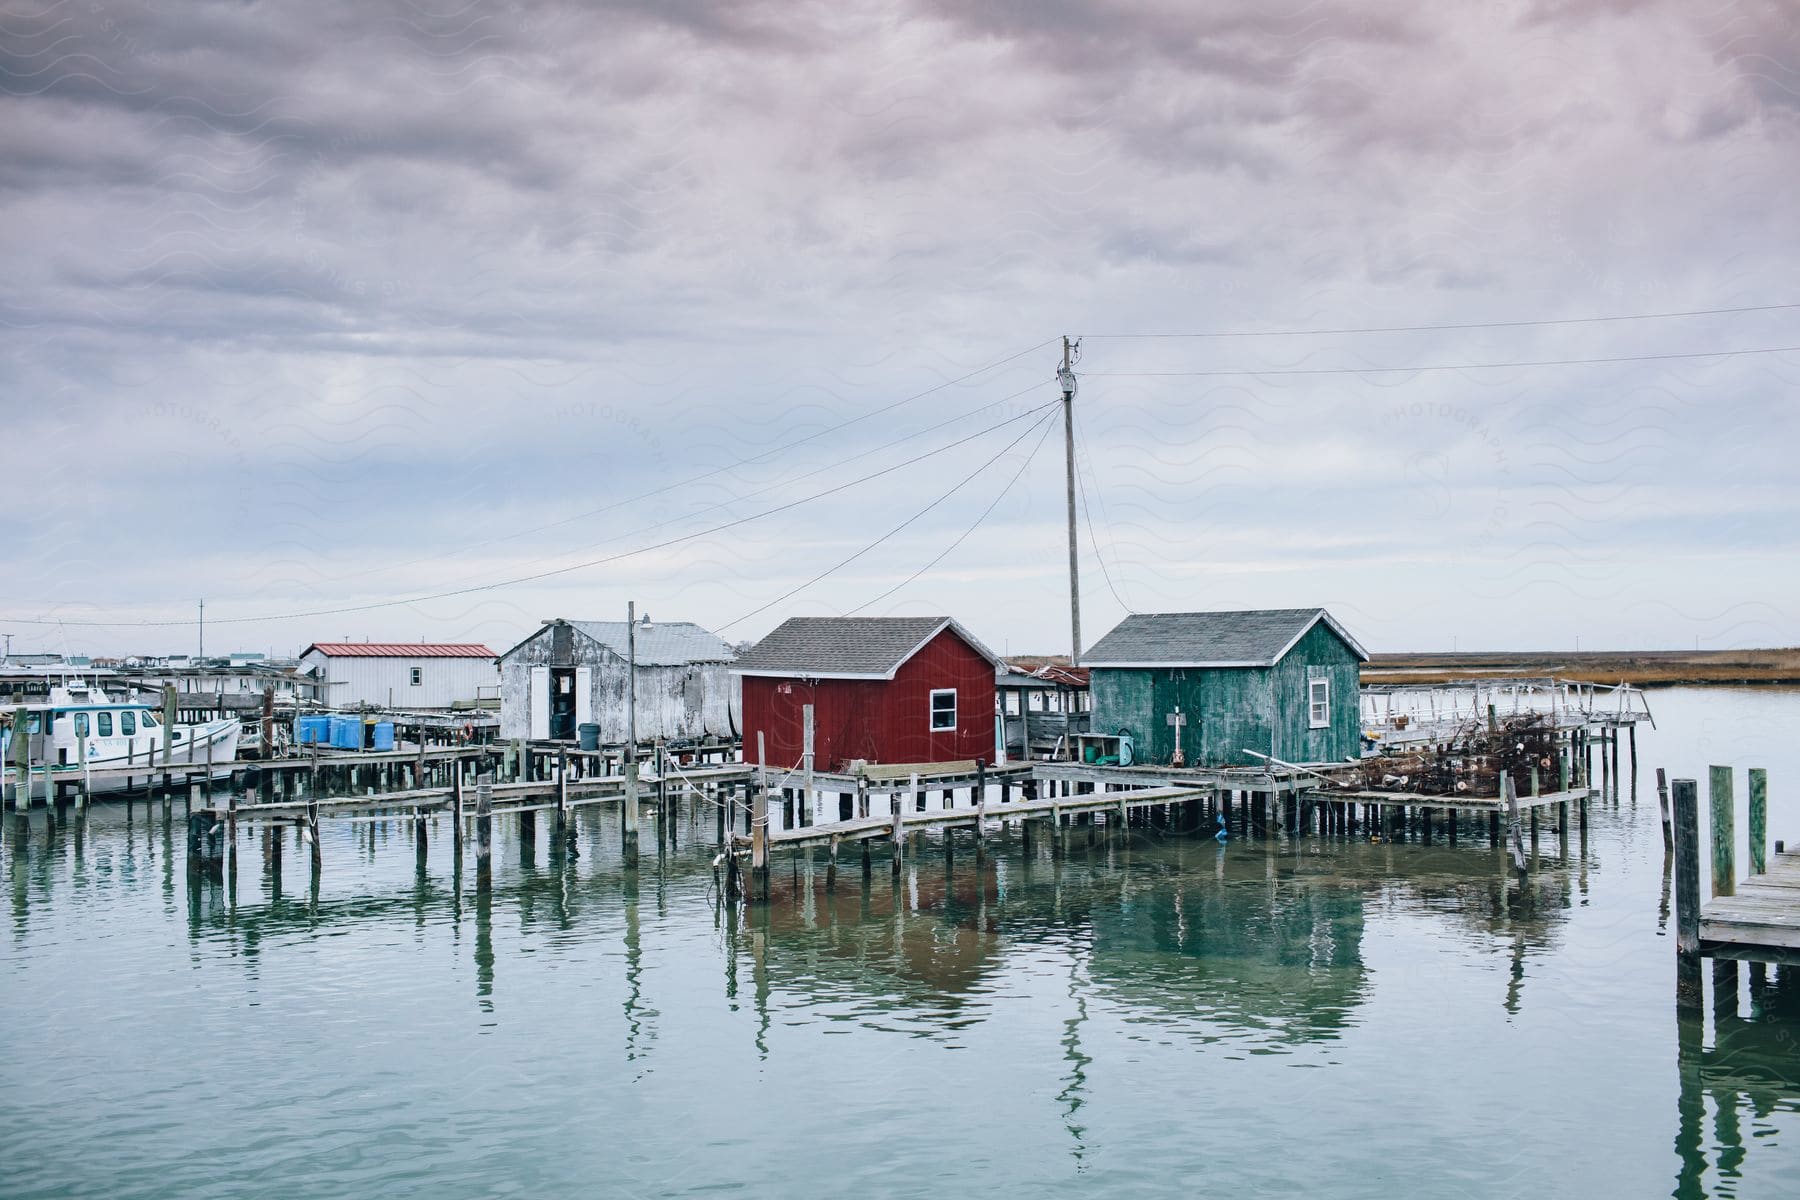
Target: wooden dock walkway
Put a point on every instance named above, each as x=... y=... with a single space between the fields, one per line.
x=1760 y=919
x=1052 y=807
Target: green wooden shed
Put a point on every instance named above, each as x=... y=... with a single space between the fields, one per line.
x=1282 y=682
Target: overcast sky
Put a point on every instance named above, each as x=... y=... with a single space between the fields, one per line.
x=310 y=308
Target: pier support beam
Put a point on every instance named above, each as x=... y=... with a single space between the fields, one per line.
x=484 y=832
x=1688 y=988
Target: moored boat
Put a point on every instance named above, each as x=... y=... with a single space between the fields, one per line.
x=80 y=731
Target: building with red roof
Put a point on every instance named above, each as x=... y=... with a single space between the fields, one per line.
x=403 y=675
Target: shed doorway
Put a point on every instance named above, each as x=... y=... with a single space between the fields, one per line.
x=562 y=704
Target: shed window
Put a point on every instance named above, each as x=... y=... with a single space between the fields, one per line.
x=418 y=676
x=1318 y=703
x=943 y=709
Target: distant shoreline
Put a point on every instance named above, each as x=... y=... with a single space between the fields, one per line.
x=1645 y=668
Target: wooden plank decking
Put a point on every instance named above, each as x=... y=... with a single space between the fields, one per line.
x=859 y=828
x=1762 y=918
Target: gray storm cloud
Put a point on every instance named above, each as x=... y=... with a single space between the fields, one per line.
x=319 y=307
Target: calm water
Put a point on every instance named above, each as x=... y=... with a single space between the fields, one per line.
x=1153 y=1016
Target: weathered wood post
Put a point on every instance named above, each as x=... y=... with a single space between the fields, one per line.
x=980 y=810
x=484 y=830
x=1515 y=839
x=1662 y=803
x=1723 y=821
x=168 y=725
x=1759 y=821
x=759 y=838
x=312 y=835
x=420 y=841
x=560 y=833
x=831 y=865
x=802 y=815
x=898 y=832
x=1688 y=988
x=456 y=810
x=1631 y=737
x=665 y=826
x=724 y=803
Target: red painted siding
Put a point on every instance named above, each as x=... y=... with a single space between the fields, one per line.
x=883 y=721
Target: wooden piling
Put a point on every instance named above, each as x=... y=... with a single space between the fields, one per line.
x=1722 y=821
x=21 y=753
x=1631 y=737
x=1662 y=804
x=1514 y=835
x=484 y=829
x=980 y=809
x=831 y=865
x=456 y=807
x=803 y=810
x=898 y=834
x=312 y=833
x=1759 y=821
x=759 y=839
x=420 y=841
x=1687 y=893
x=630 y=809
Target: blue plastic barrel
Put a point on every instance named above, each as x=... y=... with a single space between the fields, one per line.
x=589 y=734
x=346 y=733
x=384 y=735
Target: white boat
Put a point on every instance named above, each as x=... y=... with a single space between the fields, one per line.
x=80 y=731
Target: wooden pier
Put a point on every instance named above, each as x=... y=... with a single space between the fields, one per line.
x=1756 y=919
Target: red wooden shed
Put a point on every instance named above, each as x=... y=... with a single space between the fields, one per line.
x=883 y=689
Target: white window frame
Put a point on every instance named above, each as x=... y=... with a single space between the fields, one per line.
x=418 y=676
x=1318 y=712
x=931 y=713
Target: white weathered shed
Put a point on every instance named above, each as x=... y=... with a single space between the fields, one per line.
x=402 y=675
x=574 y=673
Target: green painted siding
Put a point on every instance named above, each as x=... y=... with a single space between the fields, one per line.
x=1231 y=711
x=1319 y=655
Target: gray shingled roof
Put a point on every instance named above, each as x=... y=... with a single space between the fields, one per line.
x=1257 y=638
x=662 y=643
x=862 y=647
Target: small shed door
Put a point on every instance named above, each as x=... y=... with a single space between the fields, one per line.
x=584 y=696
x=540 y=702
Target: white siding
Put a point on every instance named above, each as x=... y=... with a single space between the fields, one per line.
x=355 y=680
x=686 y=701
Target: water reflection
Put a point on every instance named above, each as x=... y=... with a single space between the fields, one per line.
x=1750 y=1072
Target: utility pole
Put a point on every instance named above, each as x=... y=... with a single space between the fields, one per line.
x=631 y=763
x=8 y=638
x=1066 y=378
x=202 y=653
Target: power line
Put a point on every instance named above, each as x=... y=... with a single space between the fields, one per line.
x=957 y=487
x=1087 y=513
x=1543 y=362
x=581 y=566
x=958 y=419
x=985 y=513
x=705 y=475
x=1467 y=325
